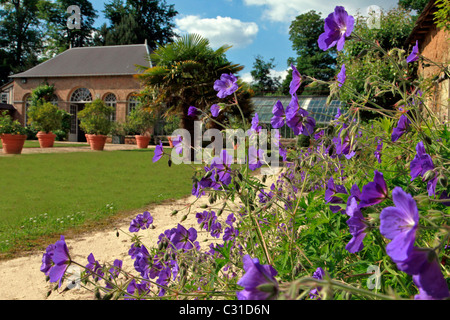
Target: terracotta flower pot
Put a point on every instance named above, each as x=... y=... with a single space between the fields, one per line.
x=142 y=141
x=170 y=141
x=13 y=143
x=46 y=140
x=87 y=138
x=97 y=141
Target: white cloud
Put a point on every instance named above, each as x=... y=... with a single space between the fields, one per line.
x=282 y=74
x=287 y=10
x=220 y=30
x=247 y=77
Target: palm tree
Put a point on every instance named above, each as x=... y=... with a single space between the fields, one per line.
x=183 y=75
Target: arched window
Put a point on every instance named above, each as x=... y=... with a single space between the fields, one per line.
x=111 y=101
x=81 y=95
x=132 y=102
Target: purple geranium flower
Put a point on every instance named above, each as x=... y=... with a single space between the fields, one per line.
x=47 y=261
x=226 y=85
x=341 y=76
x=94 y=267
x=178 y=144
x=357 y=226
x=377 y=152
x=158 y=152
x=220 y=165
x=137 y=289
x=230 y=233
x=355 y=192
x=61 y=260
x=399 y=224
x=338 y=26
x=421 y=163
x=374 y=192
x=331 y=191
x=255 y=125
x=343 y=146
x=192 y=111
x=183 y=238
x=279 y=115
x=258 y=281
x=318 y=274
x=296 y=80
x=424 y=266
x=230 y=219
x=402 y=127
x=215 y=110
x=206 y=219
x=298 y=119
x=216 y=229
x=142 y=221
x=414 y=56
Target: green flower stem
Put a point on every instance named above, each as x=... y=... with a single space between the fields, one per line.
x=342 y=286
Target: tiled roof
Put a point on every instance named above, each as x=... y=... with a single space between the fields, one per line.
x=92 y=61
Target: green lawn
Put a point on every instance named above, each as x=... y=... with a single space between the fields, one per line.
x=35 y=144
x=42 y=195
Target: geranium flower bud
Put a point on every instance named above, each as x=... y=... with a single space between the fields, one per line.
x=208 y=174
x=430 y=174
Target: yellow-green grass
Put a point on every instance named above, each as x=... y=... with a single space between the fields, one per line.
x=45 y=195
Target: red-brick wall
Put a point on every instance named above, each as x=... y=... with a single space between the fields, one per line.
x=436 y=47
x=121 y=86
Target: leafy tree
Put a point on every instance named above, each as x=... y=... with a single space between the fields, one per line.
x=58 y=36
x=20 y=36
x=263 y=82
x=442 y=15
x=183 y=75
x=417 y=5
x=311 y=60
x=134 y=21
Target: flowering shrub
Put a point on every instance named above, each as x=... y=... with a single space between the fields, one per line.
x=361 y=196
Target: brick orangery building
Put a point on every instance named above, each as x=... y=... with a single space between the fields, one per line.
x=79 y=76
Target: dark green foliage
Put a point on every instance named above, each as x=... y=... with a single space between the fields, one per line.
x=395 y=27
x=20 y=36
x=417 y=5
x=133 y=22
x=264 y=83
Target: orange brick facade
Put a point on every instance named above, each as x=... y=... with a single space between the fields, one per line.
x=121 y=86
x=436 y=47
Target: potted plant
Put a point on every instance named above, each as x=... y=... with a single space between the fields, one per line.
x=140 y=121
x=46 y=118
x=96 y=122
x=173 y=123
x=12 y=134
x=118 y=133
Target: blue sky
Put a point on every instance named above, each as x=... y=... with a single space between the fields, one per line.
x=252 y=27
